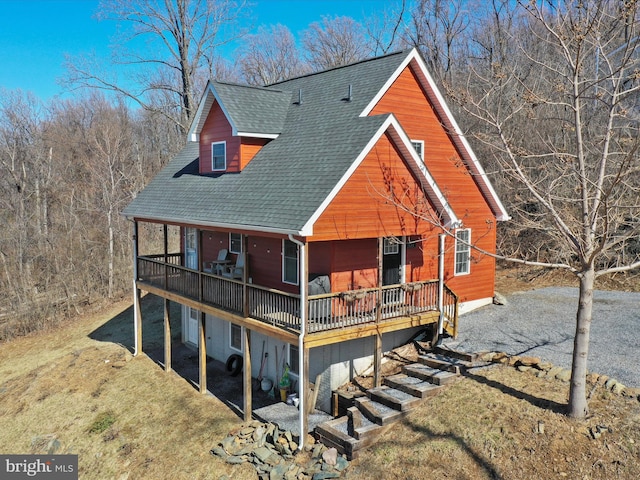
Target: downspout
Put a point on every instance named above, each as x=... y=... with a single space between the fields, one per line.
x=303 y=324
x=441 y=239
x=136 y=313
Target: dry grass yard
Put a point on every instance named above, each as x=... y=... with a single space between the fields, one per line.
x=77 y=389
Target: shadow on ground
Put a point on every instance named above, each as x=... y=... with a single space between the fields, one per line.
x=184 y=359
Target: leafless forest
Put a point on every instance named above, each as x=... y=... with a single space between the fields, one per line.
x=547 y=93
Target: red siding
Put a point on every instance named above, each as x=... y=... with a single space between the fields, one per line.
x=406 y=99
x=362 y=208
x=217 y=129
x=248 y=149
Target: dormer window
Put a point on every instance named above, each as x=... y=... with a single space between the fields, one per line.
x=218 y=156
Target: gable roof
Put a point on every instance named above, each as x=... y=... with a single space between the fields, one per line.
x=446 y=117
x=251 y=111
x=321 y=137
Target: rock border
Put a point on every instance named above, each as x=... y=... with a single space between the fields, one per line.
x=273 y=451
x=542 y=368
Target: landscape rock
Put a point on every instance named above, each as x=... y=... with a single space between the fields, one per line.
x=272 y=452
x=564 y=375
x=499 y=299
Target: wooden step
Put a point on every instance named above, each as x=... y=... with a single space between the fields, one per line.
x=377 y=412
x=360 y=427
x=443 y=362
x=333 y=433
x=430 y=374
x=396 y=399
x=448 y=352
x=412 y=385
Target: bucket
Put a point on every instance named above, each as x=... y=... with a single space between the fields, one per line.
x=283 y=394
x=266 y=384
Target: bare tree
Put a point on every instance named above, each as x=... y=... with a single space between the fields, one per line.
x=269 y=56
x=175 y=41
x=559 y=111
x=384 y=30
x=335 y=41
x=436 y=29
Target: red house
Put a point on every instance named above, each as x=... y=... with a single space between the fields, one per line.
x=327 y=217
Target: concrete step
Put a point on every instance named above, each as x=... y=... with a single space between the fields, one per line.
x=412 y=385
x=430 y=374
x=377 y=412
x=396 y=399
x=442 y=362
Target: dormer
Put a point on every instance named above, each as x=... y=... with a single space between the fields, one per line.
x=234 y=122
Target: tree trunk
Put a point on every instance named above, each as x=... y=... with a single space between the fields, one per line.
x=577 y=407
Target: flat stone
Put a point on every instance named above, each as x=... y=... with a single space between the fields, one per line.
x=236 y=460
x=618 y=388
x=528 y=361
x=341 y=463
x=523 y=368
x=564 y=375
x=610 y=383
x=219 y=452
x=553 y=371
x=330 y=456
x=262 y=453
x=325 y=475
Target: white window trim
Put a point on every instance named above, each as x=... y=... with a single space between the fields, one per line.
x=297 y=282
x=467 y=271
x=231 y=325
x=213 y=169
x=241 y=242
x=391 y=246
x=421 y=142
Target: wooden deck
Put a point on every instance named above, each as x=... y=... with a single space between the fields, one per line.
x=332 y=317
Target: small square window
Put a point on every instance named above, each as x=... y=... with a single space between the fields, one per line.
x=235 y=242
x=218 y=156
x=235 y=340
x=418 y=145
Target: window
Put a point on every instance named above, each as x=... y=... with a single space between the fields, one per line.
x=419 y=147
x=294 y=365
x=463 y=252
x=391 y=246
x=289 y=262
x=235 y=337
x=218 y=156
x=235 y=242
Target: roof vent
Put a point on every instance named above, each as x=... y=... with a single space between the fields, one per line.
x=299 y=102
x=348 y=97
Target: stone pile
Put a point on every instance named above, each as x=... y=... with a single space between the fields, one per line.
x=546 y=369
x=273 y=453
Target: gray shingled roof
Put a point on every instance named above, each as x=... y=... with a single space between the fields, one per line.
x=287 y=181
x=254 y=110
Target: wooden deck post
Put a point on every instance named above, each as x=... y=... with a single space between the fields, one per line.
x=167 y=336
x=377 y=352
x=248 y=398
x=202 y=353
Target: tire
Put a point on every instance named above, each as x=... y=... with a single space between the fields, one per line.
x=234 y=364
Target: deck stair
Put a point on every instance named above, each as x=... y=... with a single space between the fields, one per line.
x=383 y=406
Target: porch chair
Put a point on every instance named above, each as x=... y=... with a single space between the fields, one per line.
x=236 y=271
x=218 y=264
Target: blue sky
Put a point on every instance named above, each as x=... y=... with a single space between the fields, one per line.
x=35 y=35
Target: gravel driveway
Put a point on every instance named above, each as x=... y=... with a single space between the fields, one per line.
x=542 y=323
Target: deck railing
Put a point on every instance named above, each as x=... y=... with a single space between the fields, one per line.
x=282 y=309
